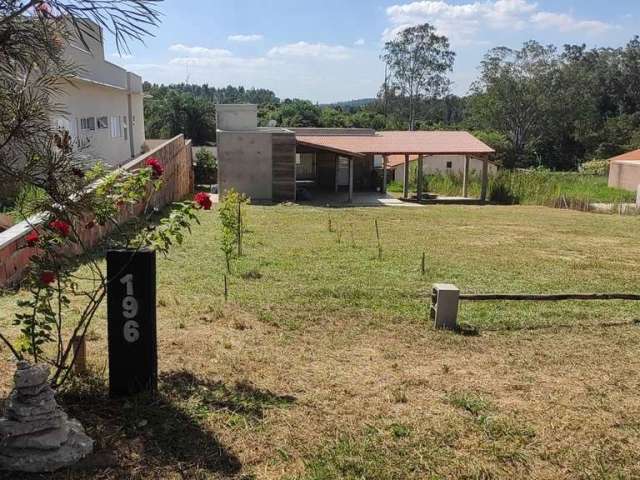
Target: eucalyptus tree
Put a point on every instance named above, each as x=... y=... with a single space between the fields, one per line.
x=418 y=61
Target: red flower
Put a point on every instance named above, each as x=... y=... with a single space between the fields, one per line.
x=47 y=277
x=32 y=238
x=203 y=200
x=61 y=227
x=158 y=169
x=44 y=9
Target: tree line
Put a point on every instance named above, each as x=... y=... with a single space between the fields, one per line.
x=537 y=106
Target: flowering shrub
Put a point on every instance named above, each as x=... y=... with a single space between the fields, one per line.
x=203 y=200
x=60 y=227
x=52 y=280
x=47 y=277
x=32 y=238
x=156 y=167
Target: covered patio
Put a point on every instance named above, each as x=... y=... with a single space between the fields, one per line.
x=353 y=152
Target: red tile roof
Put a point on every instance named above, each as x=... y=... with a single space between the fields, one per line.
x=395 y=160
x=390 y=143
x=632 y=156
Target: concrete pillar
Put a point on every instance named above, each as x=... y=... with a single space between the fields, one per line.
x=638 y=197
x=350 y=179
x=420 y=179
x=385 y=161
x=406 y=177
x=465 y=177
x=485 y=179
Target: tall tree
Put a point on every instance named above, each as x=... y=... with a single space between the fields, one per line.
x=512 y=95
x=418 y=61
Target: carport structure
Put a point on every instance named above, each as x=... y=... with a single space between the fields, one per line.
x=361 y=144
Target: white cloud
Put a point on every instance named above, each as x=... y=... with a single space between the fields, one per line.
x=461 y=22
x=212 y=57
x=567 y=23
x=314 y=50
x=229 y=62
x=254 y=37
x=200 y=51
x=359 y=42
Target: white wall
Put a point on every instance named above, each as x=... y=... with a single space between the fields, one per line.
x=102 y=89
x=438 y=164
x=85 y=100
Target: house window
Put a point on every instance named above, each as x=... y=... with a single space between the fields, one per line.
x=115 y=127
x=305 y=166
x=103 y=122
x=88 y=123
x=378 y=161
x=125 y=128
x=449 y=165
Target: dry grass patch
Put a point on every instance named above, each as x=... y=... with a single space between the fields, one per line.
x=323 y=366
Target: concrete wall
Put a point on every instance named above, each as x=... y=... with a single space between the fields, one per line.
x=624 y=174
x=175 y=157
x=438 y=164
x=245 y=163
x=236 y=117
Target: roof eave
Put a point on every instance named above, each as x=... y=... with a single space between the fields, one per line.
x=331 y=149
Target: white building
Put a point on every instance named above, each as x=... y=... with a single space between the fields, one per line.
x=102 y=104
x=443 y=164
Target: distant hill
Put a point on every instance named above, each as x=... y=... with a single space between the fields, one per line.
x=357 y=103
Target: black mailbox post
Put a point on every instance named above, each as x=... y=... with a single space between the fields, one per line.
x=131 y=312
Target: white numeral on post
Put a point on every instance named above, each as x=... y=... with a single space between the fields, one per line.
x=130 y=310
x=130 y=330
x=129 y=307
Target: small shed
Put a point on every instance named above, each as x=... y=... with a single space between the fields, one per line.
x=624 y=171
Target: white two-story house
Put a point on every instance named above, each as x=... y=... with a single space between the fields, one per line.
x=102 y=104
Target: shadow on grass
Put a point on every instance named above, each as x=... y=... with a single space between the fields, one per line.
x=164 y=435
x=242 y=399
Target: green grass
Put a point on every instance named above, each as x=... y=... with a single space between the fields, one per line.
x=530 y=187
x=322 y=364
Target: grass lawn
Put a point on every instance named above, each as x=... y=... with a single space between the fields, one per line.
x=529 y=187
x=323 y=365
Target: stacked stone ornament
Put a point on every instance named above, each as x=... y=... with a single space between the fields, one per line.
x=35 y=434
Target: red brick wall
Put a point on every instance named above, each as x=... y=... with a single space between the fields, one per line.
x=175 y=157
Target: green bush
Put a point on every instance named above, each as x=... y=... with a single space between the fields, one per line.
x=205 y=159
x=596 y=167
x=532 y=187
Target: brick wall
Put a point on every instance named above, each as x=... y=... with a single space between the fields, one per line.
x=175 y=157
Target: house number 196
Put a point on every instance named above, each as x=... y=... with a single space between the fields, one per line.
x=131 y=327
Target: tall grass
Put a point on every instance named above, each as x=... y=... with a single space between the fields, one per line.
x=559 y=189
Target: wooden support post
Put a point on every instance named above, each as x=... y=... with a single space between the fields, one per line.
x=406 y=177
x=337 y=164
x=420 y=179
x=350 y=179
x=485 y=179
x=465 y=177
x=80 y=353
x=385 y=162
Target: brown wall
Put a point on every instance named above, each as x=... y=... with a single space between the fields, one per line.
x=326 y=170
x=283 y=164
x=175 y=157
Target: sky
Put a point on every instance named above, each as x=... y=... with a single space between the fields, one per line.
x=329 y=50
